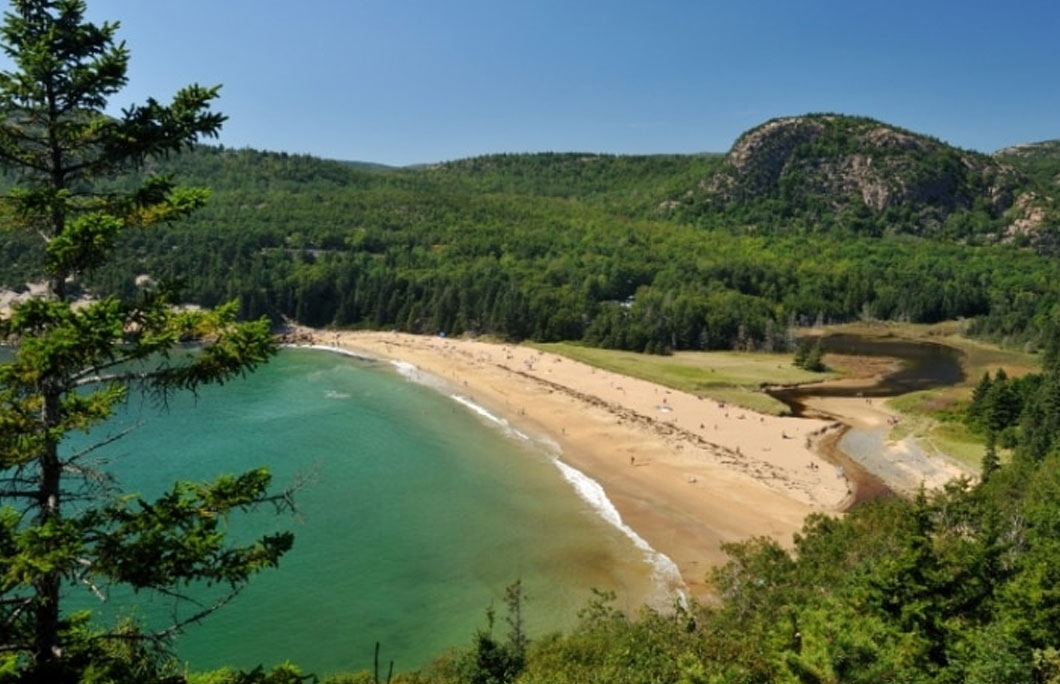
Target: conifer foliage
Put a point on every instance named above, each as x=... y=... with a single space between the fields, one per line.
x=65 y=525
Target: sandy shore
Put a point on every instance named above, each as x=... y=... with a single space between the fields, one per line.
x=687 y=474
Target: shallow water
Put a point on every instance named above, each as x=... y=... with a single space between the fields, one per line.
x=415 y=514
x=924 y=365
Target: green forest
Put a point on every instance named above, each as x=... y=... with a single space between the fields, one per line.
x=647 y=253
x=620 y=252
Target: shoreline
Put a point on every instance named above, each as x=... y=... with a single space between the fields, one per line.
x=684 y=474
x=878 y=464
x=904 y=464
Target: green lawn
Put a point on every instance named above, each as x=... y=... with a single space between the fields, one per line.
x=934 y=428
x=734 y=377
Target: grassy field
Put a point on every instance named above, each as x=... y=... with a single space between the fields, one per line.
x=934 y=428
x=734 y=377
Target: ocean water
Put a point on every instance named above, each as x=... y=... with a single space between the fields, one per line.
x=416 y=510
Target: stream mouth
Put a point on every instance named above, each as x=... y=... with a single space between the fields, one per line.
x=922 y=365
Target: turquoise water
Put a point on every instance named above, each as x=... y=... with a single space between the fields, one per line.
x=414 y=515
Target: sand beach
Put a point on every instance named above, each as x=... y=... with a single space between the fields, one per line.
x=688 y=474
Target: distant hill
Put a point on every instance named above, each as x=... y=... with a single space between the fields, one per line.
x=821 y=217
x=1040 y=161
x=582 y=175
x=826 y=171
x=369 y=166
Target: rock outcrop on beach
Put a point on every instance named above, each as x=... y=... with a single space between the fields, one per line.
x=872 y=177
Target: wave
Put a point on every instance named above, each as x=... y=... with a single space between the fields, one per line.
x=664 y=571
x=497 y=421
x=406 y=370
x=413 y=374
x=333 y=349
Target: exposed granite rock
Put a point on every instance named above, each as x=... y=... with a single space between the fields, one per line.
x=847 y=161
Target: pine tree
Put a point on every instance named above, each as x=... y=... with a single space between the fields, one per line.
x=63 y=523
x=813 y=360
x=977 y=407
x=991 y=463
x=1002 y=403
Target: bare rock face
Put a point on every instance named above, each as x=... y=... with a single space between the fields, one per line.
x=844 y=161
x=765 y=152
x=1030 y=218
x=1035 y=214
x=759 y=157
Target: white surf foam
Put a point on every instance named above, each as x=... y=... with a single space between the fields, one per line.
x=332 y=349
x=412 y=373
x=664 y=571
x=497 y=421
x=406 y=369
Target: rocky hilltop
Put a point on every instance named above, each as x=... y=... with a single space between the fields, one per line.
x=1040 y=160
x=822 y=165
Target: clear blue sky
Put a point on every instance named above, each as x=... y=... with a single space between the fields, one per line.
x=407 y=81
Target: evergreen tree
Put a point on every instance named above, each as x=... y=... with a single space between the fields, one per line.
x=977 y=406
x=63 y=522
x=991 y=462
x=813 y=358
x=1002 y=405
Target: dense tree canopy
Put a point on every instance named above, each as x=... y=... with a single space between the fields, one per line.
x=554 y=246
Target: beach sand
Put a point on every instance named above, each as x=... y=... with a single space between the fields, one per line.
x=687 y=474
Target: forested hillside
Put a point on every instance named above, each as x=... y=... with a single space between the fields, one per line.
x=645 y=253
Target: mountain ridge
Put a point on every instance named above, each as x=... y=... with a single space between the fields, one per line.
x=616 y=251
x=831 y=168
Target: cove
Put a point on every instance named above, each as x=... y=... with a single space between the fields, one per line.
x=414 y=515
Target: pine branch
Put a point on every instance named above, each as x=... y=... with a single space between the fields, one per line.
x=178 y=624
x=122 y=378
x=99 y=445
